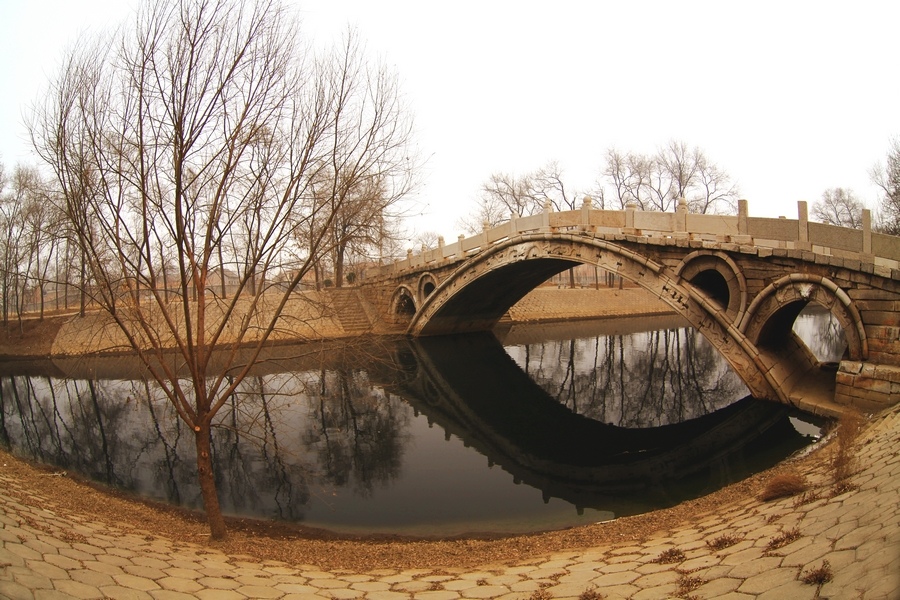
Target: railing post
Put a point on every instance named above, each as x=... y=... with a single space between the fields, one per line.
x=586 y=214
x=803 y=225
x=743 y=218
x=629 y=219
x=867 y=231
x=680 y=217
x=545 y=223
x=743 y=225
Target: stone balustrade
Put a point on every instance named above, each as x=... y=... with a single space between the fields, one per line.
x=869 y=247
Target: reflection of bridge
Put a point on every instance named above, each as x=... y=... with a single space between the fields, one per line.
x=471 y=388
x=741 y=281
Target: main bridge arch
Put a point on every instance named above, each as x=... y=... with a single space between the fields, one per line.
x=478 y=292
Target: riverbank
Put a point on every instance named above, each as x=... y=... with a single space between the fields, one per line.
x=60 y=537
x=316 y=316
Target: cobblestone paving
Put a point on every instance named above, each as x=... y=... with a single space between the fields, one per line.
x=748 y=550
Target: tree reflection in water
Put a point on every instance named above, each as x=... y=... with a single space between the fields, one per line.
x=357 y=430
x=637 y=380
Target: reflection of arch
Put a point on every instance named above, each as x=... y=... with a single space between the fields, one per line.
x=719 y=277
x=403 y=304
x=771 y=315
x=427 y=284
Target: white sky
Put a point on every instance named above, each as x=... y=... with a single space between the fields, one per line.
x=790 y=98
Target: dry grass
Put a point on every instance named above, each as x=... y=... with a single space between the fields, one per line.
x=591 y=594
x=687 y=584
x=783 y=485
x=843 y=463
x=819 y=575
x=805 y=498
x=723 y=541
x=670 y=556
x=783 y=539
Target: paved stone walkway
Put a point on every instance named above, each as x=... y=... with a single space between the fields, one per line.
x=744 y=551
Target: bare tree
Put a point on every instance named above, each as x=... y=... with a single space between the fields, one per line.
x=887 y=177
x=28 y=241
x=504 y=196
x=9 y=234
x=657 y=182
x=839 y=206
x=365 y=181
x=191 y=141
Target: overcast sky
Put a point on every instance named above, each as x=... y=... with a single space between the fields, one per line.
x=790 y=98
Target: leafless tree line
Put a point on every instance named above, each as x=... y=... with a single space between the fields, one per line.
x=658 y=181
x=648 y=181
x=36 y=259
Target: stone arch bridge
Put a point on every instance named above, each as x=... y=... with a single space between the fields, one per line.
x=741 y=281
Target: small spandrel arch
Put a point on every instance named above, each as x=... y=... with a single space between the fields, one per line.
x=403 y=305
x=771 y=316
x=719 y=278
x=426 y=286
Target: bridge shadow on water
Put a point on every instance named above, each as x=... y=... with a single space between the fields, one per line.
x=341 y=417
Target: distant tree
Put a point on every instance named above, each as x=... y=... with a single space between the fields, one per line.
x=426 y=240
x=505 y=195
x=887 y=177
x=29 y=237
x=658 y=181
x=839 y=206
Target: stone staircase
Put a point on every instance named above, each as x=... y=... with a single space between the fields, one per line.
x=350 y=311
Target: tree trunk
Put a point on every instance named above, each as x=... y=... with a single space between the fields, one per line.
x=207 y=478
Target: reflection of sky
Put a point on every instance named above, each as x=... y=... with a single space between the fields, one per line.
x=822 y=333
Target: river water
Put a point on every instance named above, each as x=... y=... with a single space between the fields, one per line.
x=535 y=428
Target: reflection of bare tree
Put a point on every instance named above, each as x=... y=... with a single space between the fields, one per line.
x=68 y=432
x=357 y=430
x=637 y=380
x=170 y=459
x=260 y=470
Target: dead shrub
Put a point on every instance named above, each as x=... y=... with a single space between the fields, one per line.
x=819 y=575
x=843 y=463
x=591 y=594
x=672 y=555
x=783 y=485
x=783 y=539
x=723 y=541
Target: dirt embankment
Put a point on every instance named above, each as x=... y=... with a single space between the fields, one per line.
x=29 y=338
x=317 y=318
